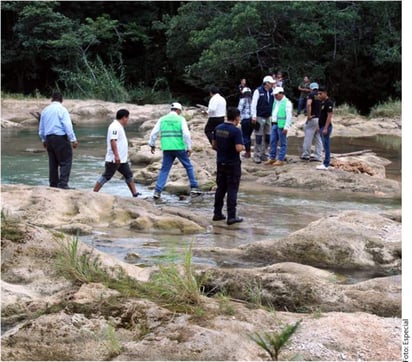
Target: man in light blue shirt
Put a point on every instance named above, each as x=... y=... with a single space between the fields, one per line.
x=56 y=133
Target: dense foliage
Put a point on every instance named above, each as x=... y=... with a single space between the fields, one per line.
x=140 y=50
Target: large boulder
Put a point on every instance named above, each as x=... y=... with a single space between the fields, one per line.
x=301 y=288
x=351 y=240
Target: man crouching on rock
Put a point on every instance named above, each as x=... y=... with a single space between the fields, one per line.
x=117 y=153
x=228 y=142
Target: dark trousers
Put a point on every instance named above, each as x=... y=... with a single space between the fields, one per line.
x=211 y=124
x=228 y=180
x=60 y=153
x=247 y=133
x=110 y=169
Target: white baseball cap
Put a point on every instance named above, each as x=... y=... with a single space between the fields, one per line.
x=176 y=105
x=278 y=90
x=314 y=85
x=246 y=89
x=268 y=79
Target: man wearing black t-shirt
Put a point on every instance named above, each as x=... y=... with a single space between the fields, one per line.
x=311 y=127
x=228 y=142
x=325 y=126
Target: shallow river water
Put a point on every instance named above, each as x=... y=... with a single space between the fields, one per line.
x=268 y=214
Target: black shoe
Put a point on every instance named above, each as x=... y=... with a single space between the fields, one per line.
x=137 y=194
x=234 y=221
x=219 y=217
x=313 y=159
x=195 y=191
x=305 y=158
x=66 y=187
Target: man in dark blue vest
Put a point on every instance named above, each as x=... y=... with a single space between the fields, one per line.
x=261 y=110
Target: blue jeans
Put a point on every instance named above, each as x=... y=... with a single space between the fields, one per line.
x=276 y=135
x=167 y=163
x=301 y=105
x=326 y=144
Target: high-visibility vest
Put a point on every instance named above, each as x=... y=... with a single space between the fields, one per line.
x=281 y=115
x=171 y=134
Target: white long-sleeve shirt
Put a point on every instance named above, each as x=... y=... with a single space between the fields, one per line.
x=289 y=109
x=217 y=106
x=185 y=131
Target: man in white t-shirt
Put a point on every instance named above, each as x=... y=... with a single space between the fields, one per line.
x=117 y=153
x=216 y=111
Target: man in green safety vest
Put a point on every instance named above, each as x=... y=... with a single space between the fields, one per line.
x=175 y=142
x=281 y=122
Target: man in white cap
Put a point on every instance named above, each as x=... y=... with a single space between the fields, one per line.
x=261 y=110
x=281 y=122
x=175 y=142
x=311 y=127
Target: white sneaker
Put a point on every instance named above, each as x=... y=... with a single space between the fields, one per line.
x=322 y=167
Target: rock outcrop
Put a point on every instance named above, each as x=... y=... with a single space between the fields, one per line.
x=46 y=316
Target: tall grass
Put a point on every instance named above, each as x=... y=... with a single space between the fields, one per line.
x=175 y=285
x=388 y=109
x=94 y=80
x=80 y=267
x=345 y=110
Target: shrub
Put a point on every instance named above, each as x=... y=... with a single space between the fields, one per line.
x=389 y=109
x=345 y=110
x=94 y=80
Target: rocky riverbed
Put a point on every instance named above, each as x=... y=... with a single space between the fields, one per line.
x=50 y=315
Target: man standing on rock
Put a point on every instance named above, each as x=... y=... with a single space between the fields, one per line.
x=57 y=134
x=261 y=110
x=325 y=126
x=281 y=122
x=175 y=142
x=216 y=111
x=311 y=127
x=117 y=153
x=228 y=142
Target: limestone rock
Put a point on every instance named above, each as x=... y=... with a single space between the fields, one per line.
x=349 y=240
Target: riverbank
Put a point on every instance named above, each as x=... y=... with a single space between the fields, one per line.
x=310 y=274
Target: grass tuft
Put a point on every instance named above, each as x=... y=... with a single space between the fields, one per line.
x=175 y=286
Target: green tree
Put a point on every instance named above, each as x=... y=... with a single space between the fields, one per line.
x=26 y=50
